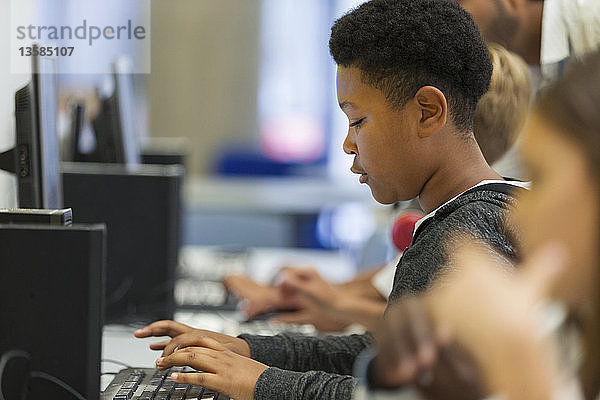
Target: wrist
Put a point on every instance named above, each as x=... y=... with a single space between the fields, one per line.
x=243 y=348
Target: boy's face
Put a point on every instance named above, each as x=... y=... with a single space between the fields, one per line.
x=387 y=151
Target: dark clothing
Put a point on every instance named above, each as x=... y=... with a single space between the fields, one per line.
x=305 y=367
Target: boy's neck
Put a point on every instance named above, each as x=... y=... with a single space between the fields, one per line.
x=465 y=169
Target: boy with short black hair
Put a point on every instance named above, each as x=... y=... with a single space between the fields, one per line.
x=410 y=73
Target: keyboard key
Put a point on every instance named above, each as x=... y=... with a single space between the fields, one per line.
x=195 y=392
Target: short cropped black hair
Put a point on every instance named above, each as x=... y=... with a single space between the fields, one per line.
x=403 y=45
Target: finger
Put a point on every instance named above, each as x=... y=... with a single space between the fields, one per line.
x=162 y=328
x=307 y=273
x=543 y=268
x=200 y=358
x=193 y=340
x=173 y=345
x=397 y=346
x=309 y=287
x=290 y=269
x=208 y=342
x=160 y=345
x=184 y=340
x=204 y=379
x=298 y=318
x=252 y=309
x=232 y=282
x=422 y=333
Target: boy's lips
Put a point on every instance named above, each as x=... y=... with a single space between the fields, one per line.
x=363 y=175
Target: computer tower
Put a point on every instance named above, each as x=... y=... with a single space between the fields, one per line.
x=51 y=306
x=141 y=210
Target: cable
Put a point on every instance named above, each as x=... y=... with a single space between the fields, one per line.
x=9 y=355
x=56 y=381
x=6 y=357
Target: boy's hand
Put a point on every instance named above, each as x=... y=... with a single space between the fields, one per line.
x=223 y=370
x=181 y=333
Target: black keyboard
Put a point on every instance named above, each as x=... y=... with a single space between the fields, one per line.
x=152 y=384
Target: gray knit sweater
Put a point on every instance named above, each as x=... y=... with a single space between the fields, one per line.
x=306 y=367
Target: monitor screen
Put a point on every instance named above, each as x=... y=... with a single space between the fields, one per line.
x=126 y=103
x=116 y=140
x=36 y=152
x=50 y=153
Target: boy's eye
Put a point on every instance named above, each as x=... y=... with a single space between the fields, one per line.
x=357 y=124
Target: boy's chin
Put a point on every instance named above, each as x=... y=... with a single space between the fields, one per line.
x=383 y=198
x=387 y=197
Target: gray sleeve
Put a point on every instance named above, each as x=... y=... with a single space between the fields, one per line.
x=295 y=352
x=278 y=384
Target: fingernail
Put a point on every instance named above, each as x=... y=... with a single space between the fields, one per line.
x=174 y=376
x=160 y=360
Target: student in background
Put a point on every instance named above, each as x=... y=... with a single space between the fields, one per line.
x=545 y=33
x=501 y=112
x=410 y=74
x=498 y=119
x=499 y=318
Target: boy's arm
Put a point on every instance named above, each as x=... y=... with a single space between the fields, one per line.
x=242 y=378
x=275 y=384
x=296 y=352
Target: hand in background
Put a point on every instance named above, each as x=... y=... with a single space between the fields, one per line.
x=410 y=351
x=407 y=345
x=260 y=299
x=257 y=298
x=309 y=313
x=181 y=333
x=496 y=317
x=480 y=330
x=222 y=369
x=328 y=306
x=307 y=283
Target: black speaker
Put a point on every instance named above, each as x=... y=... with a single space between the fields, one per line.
x=141 y=209
x=51 y=307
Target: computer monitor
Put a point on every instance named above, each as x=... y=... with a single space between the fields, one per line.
x=35 y=158
x=114 y=127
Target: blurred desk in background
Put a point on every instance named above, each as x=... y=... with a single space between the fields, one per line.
x=275 y=212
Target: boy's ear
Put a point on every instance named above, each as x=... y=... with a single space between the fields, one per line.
x=433 y=110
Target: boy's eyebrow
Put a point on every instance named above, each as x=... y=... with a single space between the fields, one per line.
x=346 y=104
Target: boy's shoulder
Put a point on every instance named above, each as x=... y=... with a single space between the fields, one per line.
x=479 y=213
x=482 y=205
